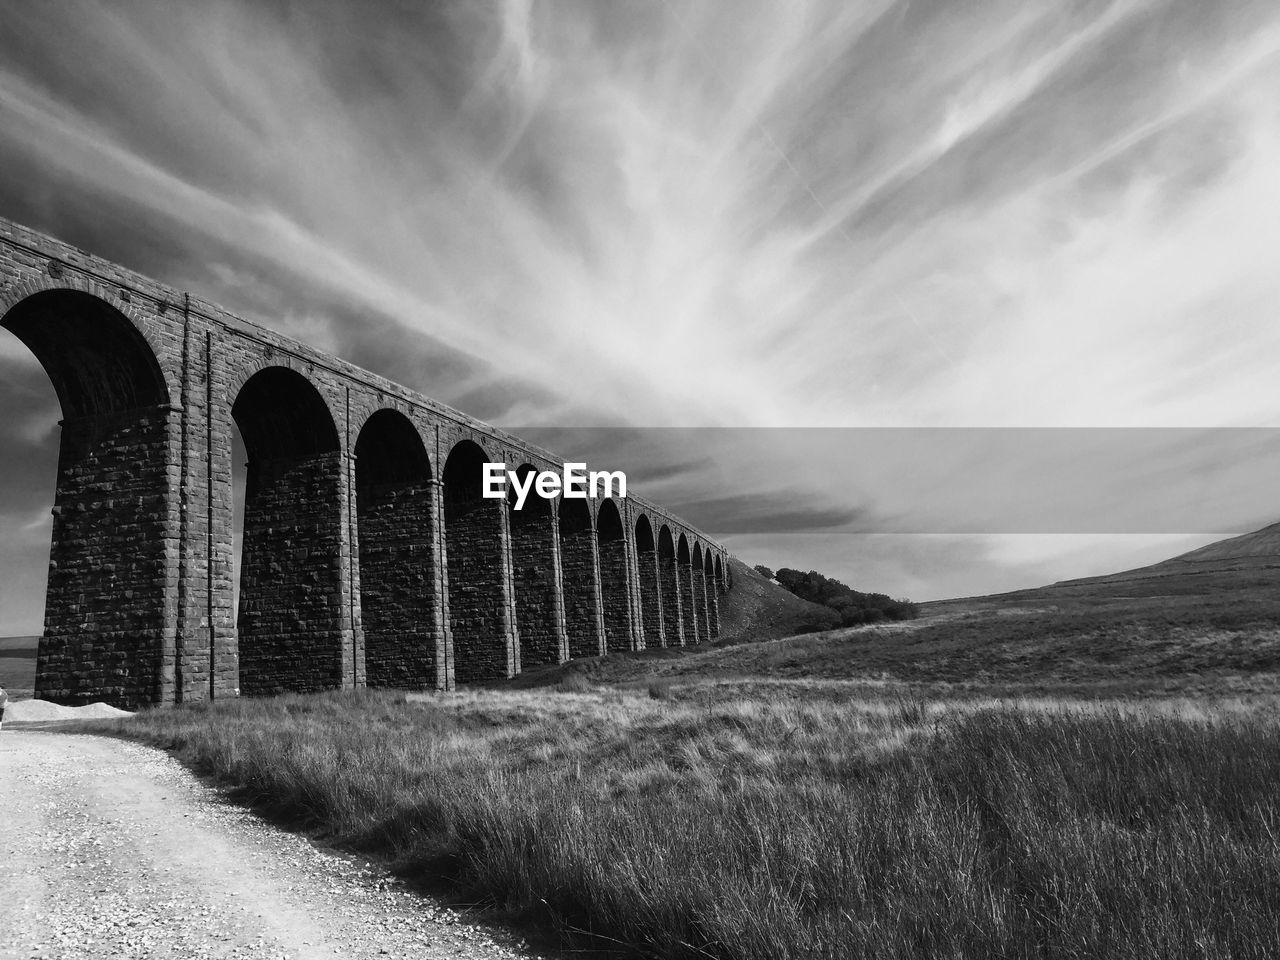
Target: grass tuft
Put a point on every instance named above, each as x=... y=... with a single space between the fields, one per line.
x=659 y=689
x=778 y=829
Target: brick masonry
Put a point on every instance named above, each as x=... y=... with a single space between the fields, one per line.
x=397 y=526
x=615 y=597
x=580 y=579
x=535 y=560
x=110 y=558
x=480 y=595
x=688 y=606
x=651 y=599
x=398 y=604
x=344 y=581
x=290 y=618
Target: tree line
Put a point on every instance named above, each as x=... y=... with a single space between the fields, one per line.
x=853 y=606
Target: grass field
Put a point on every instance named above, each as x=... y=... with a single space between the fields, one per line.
x=1083 y=770
x=689 y=825
x=1110 y=647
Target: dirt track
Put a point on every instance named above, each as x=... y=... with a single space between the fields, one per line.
x=109 y=849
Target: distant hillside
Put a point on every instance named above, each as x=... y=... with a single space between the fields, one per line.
x=1204 y=623
x=759 y=609
x=1259 y=545
x=1246 y=567
x=1247 y=558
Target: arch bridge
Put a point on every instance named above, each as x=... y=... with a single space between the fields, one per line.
x=369 y=556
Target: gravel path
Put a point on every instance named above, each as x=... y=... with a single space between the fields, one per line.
x=111 y=849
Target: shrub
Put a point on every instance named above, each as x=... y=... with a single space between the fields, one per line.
x=854 y=607
x=660 y=689
x=574 y=683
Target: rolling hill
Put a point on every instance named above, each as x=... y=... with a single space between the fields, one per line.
x=1203 y=623
x=1245 y=567
x=759 y=609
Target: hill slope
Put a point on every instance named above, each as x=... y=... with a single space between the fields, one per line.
x=1204 y=623
x=759 y=609
x=1249 y=559
x=1243 y=569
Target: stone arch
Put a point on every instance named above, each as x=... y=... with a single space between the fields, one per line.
x=699 y=580
x=650 y=592
x=283 y=414
x=477 y=545
x=535 y=565
x=242 y=370
x=720 y=584
x=615 y=599
x=118 y=301
x=389 y=449
x=396 y=517
x=688 y=616
x=669 y=583
x=96 y=357
x=291 y=622
x=111 y=579
x=365 y=407
x=579 y=558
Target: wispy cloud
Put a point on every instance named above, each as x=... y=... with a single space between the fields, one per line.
x=698 y=213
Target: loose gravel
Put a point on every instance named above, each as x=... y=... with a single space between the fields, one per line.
x=39 y=711
x=112 y=849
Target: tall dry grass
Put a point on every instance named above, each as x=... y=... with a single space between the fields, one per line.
x=785 y=830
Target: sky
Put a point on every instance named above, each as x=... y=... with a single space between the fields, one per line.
x=937 y=298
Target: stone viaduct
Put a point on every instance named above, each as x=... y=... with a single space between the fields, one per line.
x=368 y=557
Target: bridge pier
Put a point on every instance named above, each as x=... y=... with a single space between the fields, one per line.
x=482 y=606
x=654 y=634
x=209 y=647
x=698 y=575
x=633 y=578
x=445 y=665
x=295 y=625
x=400 y=586
x=615 y=576
x=290 y=627
x=113 y=571
x=688 y=601
x=669 y=584
x=536 y=562
x=580 y=562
